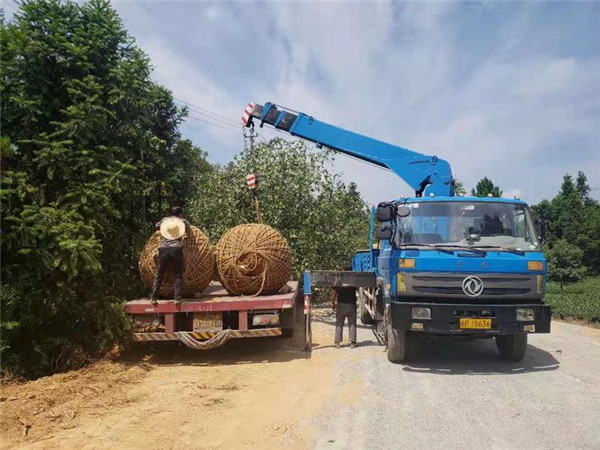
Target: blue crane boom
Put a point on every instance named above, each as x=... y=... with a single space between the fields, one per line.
x=421 y=172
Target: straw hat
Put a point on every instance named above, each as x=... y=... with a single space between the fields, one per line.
x=172 y=228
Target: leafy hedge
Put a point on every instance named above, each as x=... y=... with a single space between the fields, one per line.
x=578 y=301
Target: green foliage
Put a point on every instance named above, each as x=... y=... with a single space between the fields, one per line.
x=91 y=157
x=578 y=301
x=323 y=220
x=582 y=187
x=564 y=262
x=484 y=187
x=575 y=217
x=459 y=188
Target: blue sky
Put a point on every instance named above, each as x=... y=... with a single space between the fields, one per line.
x=505 y=90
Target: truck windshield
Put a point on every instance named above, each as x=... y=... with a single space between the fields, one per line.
x=472 y=224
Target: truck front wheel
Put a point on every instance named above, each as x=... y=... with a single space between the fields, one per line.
x=397 y=340
x=513 y=346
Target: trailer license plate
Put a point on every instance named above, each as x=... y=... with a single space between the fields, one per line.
x=477 y=324
x=208 y=321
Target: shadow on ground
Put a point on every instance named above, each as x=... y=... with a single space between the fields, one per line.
x=236 y=351
x=331 y=321
x=475 y=357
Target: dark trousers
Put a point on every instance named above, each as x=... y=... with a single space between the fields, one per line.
x=173 y=255
x=345 y=310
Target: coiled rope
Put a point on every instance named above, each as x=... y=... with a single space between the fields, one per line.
x=253 y=259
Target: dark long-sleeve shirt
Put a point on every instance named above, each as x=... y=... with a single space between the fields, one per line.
x=346 y=295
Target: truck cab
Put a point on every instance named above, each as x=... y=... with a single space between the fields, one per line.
x=464 y=266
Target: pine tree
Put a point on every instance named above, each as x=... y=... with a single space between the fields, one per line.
x=583 y=188
x=484 y=187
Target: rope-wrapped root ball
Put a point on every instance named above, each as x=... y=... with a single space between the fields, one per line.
x=253 y=259
x=198 y=264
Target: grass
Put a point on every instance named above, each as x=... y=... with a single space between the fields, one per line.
x=579 y=301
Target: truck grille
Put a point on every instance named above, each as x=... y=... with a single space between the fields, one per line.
x=496 y=287
x=459 y=291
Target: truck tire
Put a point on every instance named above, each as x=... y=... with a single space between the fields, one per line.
x=512 y=346
x=288 y=322
x=397 y=340
x=365 y=316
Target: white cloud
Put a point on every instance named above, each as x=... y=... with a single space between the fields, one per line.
x=404 y=73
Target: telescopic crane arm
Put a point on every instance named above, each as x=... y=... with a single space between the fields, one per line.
x=420 y=171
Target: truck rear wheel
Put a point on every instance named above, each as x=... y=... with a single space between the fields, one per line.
x=513 y=346
x=365 y=315
x=397 y=340
x=288 y=322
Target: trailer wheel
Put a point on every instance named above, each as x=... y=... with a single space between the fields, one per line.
x=365 y=316
x=397 y=340
x=513 y=346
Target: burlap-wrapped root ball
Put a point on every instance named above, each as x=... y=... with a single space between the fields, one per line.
x=198 y=264
x=253 y=259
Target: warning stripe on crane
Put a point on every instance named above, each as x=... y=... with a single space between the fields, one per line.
x=251 y=181
x=247 y=112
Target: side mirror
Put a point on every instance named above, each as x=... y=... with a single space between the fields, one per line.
x=383 y=232
x=386 y=211
x=542 y=229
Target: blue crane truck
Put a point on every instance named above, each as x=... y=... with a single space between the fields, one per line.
x=437 y=263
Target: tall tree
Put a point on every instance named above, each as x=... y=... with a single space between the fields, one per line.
x=459 y=187
x=582 y=187
x=567 y=212
x=484 y=187
x=324 y=220
x=564 y=262
x=91 y=155
x=575 y=217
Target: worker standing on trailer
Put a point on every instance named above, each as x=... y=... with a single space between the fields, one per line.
x=170 y=250
x=343 y=301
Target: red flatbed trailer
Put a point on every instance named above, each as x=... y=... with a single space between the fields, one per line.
x=212 y=317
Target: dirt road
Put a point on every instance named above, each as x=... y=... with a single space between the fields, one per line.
x=265 y=394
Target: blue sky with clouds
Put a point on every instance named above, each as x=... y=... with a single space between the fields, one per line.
x=505 y=90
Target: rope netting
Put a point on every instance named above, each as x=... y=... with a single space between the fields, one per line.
x=253 y=259
x=198 y=264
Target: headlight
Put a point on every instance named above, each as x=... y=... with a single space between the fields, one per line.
x=525 y=314
x=535 y=266
x=400 y=283
x=421 y=313
x=405 y=263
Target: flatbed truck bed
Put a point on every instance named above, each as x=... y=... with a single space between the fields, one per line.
x=212 y=317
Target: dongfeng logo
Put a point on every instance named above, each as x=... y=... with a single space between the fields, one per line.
x=472 y=286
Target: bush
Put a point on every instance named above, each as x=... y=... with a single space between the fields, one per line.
x=564 y=262
x=577 y=301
